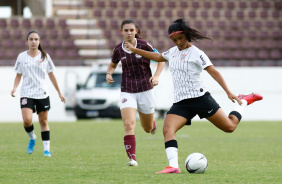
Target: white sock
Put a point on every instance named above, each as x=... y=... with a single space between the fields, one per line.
x=31 y=135
x=172 y=156
x=46 y=145
x=241 y=108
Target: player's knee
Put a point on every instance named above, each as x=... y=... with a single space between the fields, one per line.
x=44 y=123
x=27 y=122
x=128 y=125
x=147 y=129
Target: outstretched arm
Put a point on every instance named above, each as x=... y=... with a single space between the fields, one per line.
x=218 y=77
x=16 y=83
x=55 y=83
x=150 y=55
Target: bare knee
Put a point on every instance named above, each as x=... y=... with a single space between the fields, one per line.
x=27 y=122
x=44 y=123
x=129 y=126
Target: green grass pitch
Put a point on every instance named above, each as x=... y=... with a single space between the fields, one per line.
x=92 y=151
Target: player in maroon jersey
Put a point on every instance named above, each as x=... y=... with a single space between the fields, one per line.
x=136 y=86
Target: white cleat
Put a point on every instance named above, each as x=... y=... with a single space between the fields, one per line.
x=132 y=163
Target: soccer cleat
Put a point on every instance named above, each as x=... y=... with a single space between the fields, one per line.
x=154 y=128
x=30 y=146
x=251 y=98
x=132 y=163
x=169 y=169
x=47 y=153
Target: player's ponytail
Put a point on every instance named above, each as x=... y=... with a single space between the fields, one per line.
x=43 y=53
x=191 y=34
x=130 y=21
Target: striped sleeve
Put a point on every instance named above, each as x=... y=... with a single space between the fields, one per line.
x=18 y=67
x=50 y=64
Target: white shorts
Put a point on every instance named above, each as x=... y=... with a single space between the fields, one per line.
x=144 y=101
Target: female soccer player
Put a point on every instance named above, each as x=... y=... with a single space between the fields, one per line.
x=136 y=86
x=191 y=97
x=34 y=65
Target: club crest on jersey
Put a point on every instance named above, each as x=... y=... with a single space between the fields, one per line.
x=138 y=56
x=203 y=61
x=124 y=100
x=24 y=101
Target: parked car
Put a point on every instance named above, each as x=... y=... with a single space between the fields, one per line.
x=96 y=98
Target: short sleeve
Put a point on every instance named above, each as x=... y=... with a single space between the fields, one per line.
x=18 y=66
x=166 y=54
x=204 y=60
x=115 y=58
x=50 y=64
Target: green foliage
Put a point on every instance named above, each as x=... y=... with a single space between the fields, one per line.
x=92 y=151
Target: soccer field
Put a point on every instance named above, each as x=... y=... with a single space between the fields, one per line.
x=92 y=151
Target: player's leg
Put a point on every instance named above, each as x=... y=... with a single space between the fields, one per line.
x=45 y=132
x=129 y=122
x=146 y=109
x=27 y=108
x=42 y=107
x=229 y=123
x=128 y=106
x=147 y=122
x=171 y=125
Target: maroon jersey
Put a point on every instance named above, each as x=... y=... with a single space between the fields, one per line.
x=136 y=70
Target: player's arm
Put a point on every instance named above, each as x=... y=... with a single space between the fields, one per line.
x=218 y=77
x=16 y=83
x=150 y=55
x=110 y=71
x=55 y=84
x=155 y=78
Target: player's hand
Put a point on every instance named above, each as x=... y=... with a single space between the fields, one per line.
x=62 y=98
x=13 y=93
x=154 y=80
x=128 y=46
x=233 y=97
x=109 y=79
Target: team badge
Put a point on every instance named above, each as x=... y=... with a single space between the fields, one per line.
x=124 y=100
x=24 y=101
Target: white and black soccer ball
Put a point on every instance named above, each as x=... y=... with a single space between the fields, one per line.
x=196 y=163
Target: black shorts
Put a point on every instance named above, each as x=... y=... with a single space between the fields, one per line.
x=204 y=106
x=37 y=105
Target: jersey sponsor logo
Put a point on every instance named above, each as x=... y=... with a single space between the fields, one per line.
x=123 y=58
x=138 y=56
x=124 y=100
x=203 y=61
x=24 y=101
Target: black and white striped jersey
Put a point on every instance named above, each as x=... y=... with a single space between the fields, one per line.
x=34 y=73
x=186 y=67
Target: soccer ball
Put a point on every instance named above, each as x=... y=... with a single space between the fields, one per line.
x=196 y=163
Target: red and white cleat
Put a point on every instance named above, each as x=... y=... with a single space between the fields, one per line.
x=251 y=98
x=169 y=170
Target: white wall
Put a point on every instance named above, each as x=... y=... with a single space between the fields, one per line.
x=241 y=80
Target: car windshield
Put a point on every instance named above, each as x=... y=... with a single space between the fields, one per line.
x=98 y=80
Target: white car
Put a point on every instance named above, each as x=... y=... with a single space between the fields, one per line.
x=98 y=99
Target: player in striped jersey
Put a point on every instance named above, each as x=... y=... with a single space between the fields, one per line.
x=34 y=65
x=191 y=98
x=136 y=86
